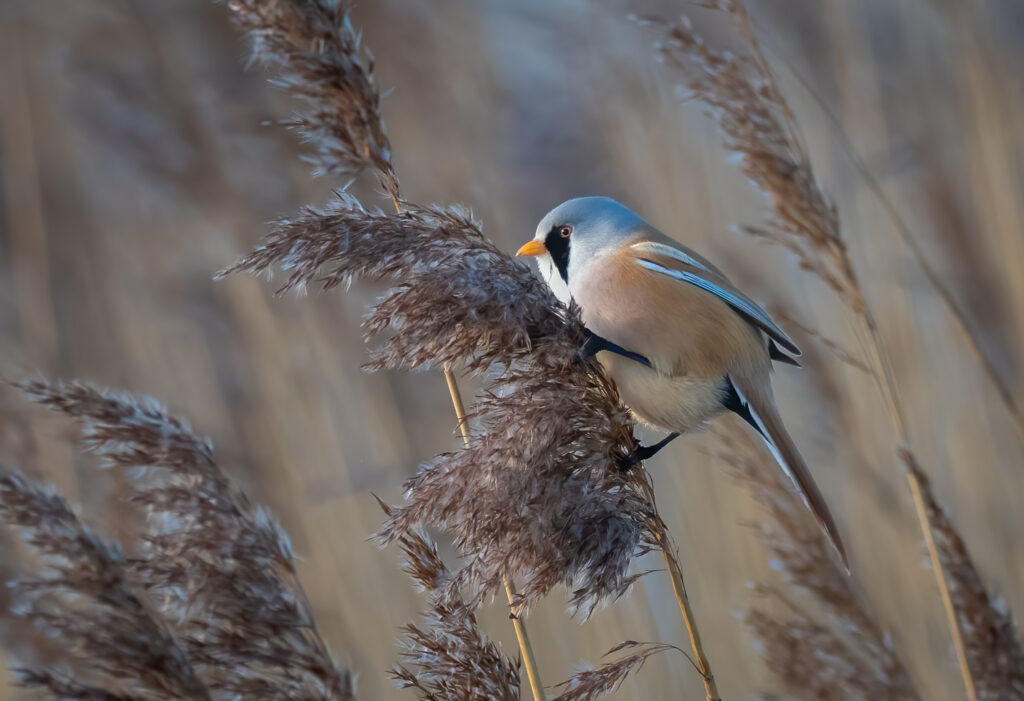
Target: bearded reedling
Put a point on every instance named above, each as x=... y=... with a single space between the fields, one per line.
x=682 y=344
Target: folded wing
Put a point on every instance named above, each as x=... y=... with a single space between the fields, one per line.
x=675 y=261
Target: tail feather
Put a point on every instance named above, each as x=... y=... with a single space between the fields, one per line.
x=785 y=452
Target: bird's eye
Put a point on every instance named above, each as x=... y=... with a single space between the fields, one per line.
x=565 y=232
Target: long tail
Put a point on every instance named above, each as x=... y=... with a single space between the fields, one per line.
x=782 y=447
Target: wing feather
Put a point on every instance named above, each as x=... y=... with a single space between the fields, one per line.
x=661 y=249
x=713 y=282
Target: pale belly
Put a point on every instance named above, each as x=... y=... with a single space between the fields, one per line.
x=681 y=403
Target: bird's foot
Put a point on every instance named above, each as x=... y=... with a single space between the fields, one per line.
x=644 y=452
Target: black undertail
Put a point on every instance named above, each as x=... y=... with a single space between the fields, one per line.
x=777 y=354
x=595 y=344
x=734 y=403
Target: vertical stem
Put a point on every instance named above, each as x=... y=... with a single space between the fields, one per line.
x=947 y=600
x=886 y=379
x=682 y=599
x=679 y=588
x=525 y=648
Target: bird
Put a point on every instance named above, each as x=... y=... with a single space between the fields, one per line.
x=681 y=342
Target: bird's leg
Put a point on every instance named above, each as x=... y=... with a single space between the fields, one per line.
x=645 y=452
x=595 y=344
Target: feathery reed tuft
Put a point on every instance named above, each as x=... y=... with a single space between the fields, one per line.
x=991 y=641
x=112 y=645
x=447 y=657
x=850 y=657
x=319 y=59
x=461 y=302
x=221 y=570
x=592 y=684
x=538 y=496
x=758 y=124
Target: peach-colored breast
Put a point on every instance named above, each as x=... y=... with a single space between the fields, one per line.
x=692 y=338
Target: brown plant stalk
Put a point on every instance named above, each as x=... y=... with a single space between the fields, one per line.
x=759 y=125
x=675 y=571
x=522 y=636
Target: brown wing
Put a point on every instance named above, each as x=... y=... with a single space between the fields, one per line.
x=672 y=259
x=681 y=328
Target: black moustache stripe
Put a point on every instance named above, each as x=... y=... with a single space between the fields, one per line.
x=558 y=248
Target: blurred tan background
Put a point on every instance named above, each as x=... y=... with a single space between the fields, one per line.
x=136 y=161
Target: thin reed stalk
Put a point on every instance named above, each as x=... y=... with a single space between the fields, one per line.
x=675 y=572
x=886 y=382
x=522 y=636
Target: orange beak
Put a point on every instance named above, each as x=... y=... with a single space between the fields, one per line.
x=532 y=248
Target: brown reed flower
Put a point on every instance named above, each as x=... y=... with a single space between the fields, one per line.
x=80 y=596
x=991 y=640
x=218 y=568
x=538 y=496
x=757 y=124
x=850 y=658
x=317 y=56
x=592 y=684
x=447 y=657
x=460 y=300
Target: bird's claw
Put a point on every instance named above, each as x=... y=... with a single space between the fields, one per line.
x=640 y=452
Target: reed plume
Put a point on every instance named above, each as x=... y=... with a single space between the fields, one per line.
x=317 y=56
x=536 y=494
x=461 y=302
x=218 y=569
x=832 y=648
x=447 y=657
x=594 y=683
x=758 y=124
x=111 y=645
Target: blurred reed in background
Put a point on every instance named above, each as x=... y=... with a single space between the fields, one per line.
x=134 y=166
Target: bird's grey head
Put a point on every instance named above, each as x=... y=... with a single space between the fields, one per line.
x=576 y=232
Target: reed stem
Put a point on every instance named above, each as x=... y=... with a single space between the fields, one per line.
x=522 y=636
x=675 y=572
x=886 y=379
x=679 y=589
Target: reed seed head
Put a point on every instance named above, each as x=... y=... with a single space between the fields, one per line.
x=219 y=569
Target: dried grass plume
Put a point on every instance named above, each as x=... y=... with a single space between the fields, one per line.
x=218 y=569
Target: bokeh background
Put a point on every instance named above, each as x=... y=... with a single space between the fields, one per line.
x=136 y=159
